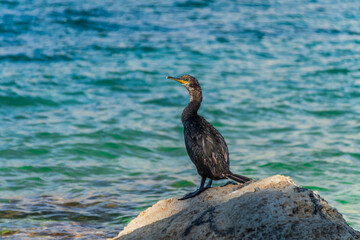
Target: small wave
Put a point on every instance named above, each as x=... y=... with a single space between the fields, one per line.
x=166 y=102
x=38 y=57
x=334 y=31
x=328 y=113
x=20 y=101
x=316 y=188
x=332 y=71
x=193 y=4
x=91 y=152
x=85 y=24
x=109 y=82
x=66 y=171
x=92 y=12
x=355 y=155
x=182 y=184
x=10 y=3
x=122 y=49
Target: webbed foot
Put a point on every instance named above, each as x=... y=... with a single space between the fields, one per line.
x=201 y=189
x=192 y=194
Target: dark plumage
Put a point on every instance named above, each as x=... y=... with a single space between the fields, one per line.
x=205 y=146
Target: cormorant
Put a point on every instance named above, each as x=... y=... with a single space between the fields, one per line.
x=205 y=146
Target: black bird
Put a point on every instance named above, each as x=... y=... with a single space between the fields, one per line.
x=205 y=146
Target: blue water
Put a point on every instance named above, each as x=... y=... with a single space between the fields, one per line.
x=90 y=129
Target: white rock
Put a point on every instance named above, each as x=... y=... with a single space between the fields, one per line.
x=272 y=208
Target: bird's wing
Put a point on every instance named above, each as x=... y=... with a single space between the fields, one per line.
x=206 y=148
x=214 y=148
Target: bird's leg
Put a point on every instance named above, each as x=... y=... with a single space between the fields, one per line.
x=209 y=184
x=193 y=194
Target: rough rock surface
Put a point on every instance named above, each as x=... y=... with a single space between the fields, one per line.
x=272 y=208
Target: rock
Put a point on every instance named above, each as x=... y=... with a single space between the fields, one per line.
x=272 y=208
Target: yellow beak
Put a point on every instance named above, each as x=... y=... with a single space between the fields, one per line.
x=177 y=79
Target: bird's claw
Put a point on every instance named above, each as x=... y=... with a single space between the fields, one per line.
x=193 y=194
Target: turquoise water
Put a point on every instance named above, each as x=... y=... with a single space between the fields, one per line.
x=90 y=129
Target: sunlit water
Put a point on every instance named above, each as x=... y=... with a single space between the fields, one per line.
x=90 y=129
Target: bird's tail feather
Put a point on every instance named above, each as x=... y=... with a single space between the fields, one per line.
x=238 y=178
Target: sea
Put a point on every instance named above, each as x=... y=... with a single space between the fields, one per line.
x=90 y=129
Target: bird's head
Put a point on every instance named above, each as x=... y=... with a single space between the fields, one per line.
x=189 y=82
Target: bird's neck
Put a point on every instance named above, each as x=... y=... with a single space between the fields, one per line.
x=193 y=106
